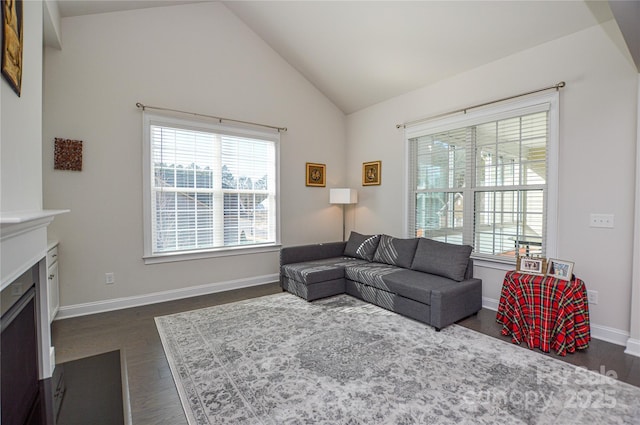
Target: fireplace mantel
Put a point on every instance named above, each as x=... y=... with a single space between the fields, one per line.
x=23 y=241
x=23 y=245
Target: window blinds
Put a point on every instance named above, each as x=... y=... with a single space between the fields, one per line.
x=210 y=189
x=482 y=182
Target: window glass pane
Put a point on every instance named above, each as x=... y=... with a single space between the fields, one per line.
x=508 y=222
x=439 y=215
x=441 y=160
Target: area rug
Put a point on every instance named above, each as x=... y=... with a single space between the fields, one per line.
x=281 y=360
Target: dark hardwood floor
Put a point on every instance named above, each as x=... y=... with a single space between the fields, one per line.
x=601 y=356
x=153 y=396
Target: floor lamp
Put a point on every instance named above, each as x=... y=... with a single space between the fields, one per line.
x=343 y=196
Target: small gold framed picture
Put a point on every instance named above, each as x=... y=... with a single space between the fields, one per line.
x=371 y=173
x=316 y=174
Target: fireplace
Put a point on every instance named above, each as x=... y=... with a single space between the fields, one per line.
x=26 y=355
x=20 y=394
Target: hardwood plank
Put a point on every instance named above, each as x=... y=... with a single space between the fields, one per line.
x=153 y=395
x=154 y=398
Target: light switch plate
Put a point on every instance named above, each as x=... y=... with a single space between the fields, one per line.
x=601 y=220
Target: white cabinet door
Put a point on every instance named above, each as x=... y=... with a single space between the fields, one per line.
x=52 y=281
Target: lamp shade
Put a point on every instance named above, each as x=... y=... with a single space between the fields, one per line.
x=343 y=196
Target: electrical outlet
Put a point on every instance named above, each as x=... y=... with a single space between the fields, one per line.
x=109 y=278
x=592 y=296
x=601 y=220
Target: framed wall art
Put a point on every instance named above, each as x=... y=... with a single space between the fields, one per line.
x=560 y=269
x=531 y=265
x=67 y=154
x=12 y=43
x=371 y=173
x=316 y=174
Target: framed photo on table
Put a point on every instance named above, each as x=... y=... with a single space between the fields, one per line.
x=560 y=269
x=531 y=265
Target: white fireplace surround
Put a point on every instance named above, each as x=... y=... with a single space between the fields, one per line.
x=23 y=244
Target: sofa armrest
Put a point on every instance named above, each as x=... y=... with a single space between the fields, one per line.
x=468 y=273
x=456 y=301
x=298 y=254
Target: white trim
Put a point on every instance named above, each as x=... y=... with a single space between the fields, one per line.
x=603 y=333
x=553 y=178
x=84 y=309
x=490 y=303
x=52 y=359
x=634 y=315
x=633 y=347
x=198 y=255
x=407 y=180
x=493 y=264
x=612 y=335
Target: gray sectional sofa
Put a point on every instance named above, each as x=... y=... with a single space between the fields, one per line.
x=427 y=280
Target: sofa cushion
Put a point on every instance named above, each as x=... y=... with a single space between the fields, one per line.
x=361 y=246
x=318 y=271
x=442 y=259
x=415 y=285
x=370 y=273
x=395 y=251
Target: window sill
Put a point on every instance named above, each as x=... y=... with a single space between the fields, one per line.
x=199 y=255
x=491 y=263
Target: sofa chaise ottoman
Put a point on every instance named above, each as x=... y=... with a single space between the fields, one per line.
x=423 y=279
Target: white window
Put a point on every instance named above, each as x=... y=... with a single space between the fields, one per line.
x=488 y=179
x=209 y=189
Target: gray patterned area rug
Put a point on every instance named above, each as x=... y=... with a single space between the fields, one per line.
x=281 y=360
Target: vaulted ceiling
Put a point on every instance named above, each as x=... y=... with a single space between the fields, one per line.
x=359 y=53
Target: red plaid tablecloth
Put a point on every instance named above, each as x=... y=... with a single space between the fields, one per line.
x=546 y=313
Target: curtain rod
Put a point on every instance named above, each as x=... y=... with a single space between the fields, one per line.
x=464 y=110
x=220 y=119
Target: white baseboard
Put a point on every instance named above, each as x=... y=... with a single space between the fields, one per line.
x=612 y=335
x=604 y=333
x=633 y=347
x=65 y=312
x=490 y=303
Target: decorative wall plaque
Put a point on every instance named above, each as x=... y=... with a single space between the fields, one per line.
x=67 y=155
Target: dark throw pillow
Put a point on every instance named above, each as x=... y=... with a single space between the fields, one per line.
x=442 y=259
x=361 y=246
x=395 y=251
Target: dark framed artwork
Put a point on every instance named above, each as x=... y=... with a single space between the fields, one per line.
x=316 y=174
x=12 y=43
x=371 y=173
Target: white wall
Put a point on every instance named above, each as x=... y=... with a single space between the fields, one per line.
x=597 y=154
x=21 y=123
x=198 y=58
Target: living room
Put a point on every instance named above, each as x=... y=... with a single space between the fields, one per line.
x=203 y=58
